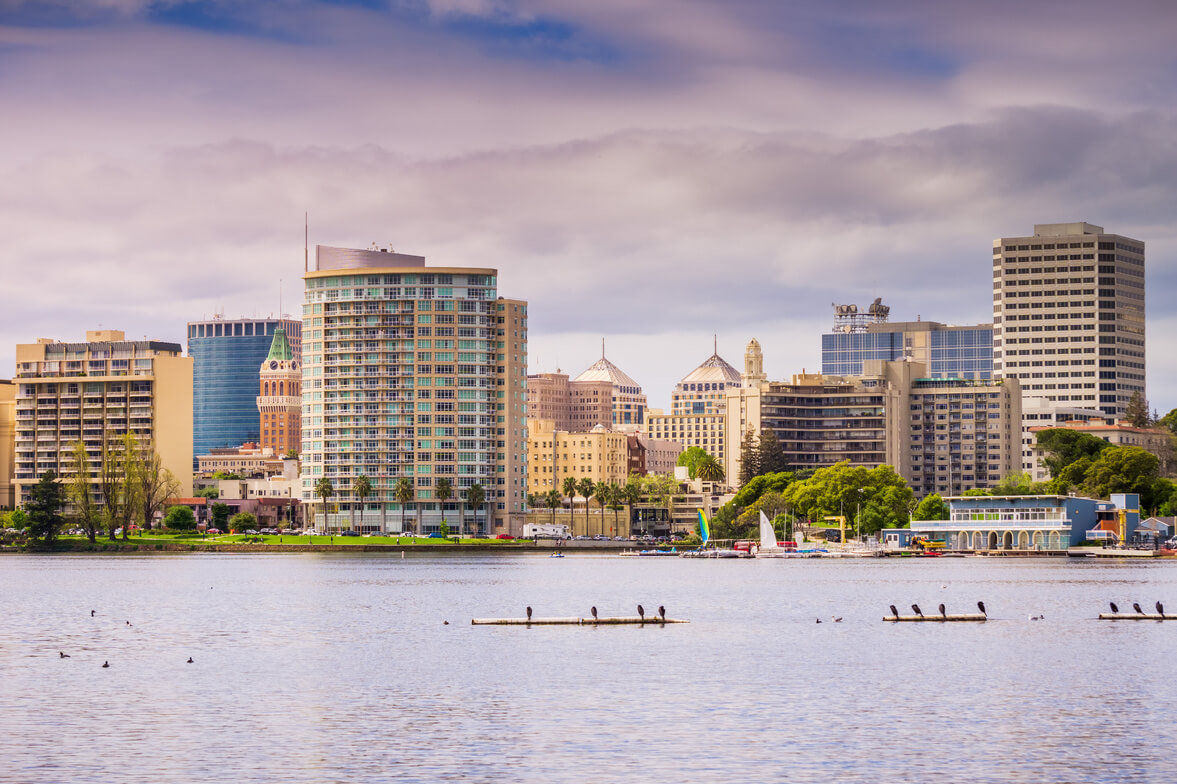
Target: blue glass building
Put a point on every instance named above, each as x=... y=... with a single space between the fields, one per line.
x=227 y=357
x=947 y=351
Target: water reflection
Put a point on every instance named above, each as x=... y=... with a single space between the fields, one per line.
x=334 y=667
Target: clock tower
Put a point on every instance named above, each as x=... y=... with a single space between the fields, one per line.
x=280 y=401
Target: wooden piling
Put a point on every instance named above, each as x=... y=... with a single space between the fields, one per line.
x=616 y=621
x=1136 y=617
x=935 y=618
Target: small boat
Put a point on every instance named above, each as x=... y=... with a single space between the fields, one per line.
x=556 y=555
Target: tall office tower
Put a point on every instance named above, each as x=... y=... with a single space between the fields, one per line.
x=411 y=372
x=698 y=409
x=947 y=351
x=227 y=354
x=280 y=397
x=1068 y=315
x=98 y=391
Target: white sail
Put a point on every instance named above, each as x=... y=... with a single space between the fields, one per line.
x=767 y=535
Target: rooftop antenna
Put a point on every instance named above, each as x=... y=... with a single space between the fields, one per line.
x=602 y=348
x=715 y=337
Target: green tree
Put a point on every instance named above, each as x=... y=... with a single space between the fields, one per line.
x=749 y=458
x=156 y=484
x=324 y=488
x=1169 y=421
x=1062 y=446
x=770 y=454
x=931 y=508
x=44 y=508
x=709 y=469
x=690 y=459
x=1136 y=412
x=600 y=493
x=751 y=491
x=219 y=514
x=475 y=498
x=404 y=495
x=879 y=495
x=585 y=487
x=116 y=483
x=179 y=518
x=1122 y=469
x=616 y=497
x=79 y=492
x=1018 y=483
x=242 y=522
x=568 y=486
x=445 y=491
x=361 y=488
x=552 y=500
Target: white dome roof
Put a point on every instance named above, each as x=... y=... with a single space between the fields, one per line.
x=714 y=370
x=604 y=370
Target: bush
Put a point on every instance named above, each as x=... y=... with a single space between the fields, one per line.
x=242 y=522
x=180 y=518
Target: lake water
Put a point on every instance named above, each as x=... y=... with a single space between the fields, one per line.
x=338 y=668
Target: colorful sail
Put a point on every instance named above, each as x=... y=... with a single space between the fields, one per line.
x=704 y=531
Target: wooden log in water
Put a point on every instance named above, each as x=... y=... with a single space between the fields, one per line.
x=1136 y=617
x=616 y=621
x=934 y=618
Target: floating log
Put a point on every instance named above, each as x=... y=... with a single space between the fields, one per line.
x=1136 y=617
x=618 y=621
x=934 y=618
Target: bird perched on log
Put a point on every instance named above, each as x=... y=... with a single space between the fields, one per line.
x=1115 y=609
x=981 y=607
x=1136 y=606
x=529 y=612
x=915 y=608
x=942 y=613
x=1160 y=609
x=641 y=612
x=593 y=610
x=662 y=611
x=894 y=612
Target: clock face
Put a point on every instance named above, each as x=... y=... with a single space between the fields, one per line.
x=273 y=364
x=294 y=366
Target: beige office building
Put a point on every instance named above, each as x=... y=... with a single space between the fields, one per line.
x=413 y=372
x=941 y=435
x=100 y=390
x=1068 y=315
x=600 y=455
x=7 y=443
x=698 y=409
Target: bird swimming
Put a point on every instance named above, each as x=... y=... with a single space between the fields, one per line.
x=105 y=664
x=836 y=618
x=915 y=608
x=128 y=623
x=819 y=620
x=91 y=613
x=445 y=623
x=190 y=660
x=62 y=655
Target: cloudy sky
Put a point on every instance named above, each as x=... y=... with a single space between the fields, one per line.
x=648 y=171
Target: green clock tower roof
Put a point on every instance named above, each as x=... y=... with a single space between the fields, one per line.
x=280 y=348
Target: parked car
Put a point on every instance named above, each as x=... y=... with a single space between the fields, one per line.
x=435 y=535
x=503 y=536
x=213 y=531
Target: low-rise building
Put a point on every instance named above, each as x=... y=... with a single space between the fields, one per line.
x=600 y=455
x=1155 y=440
x=1032 y=522
x=247 y=460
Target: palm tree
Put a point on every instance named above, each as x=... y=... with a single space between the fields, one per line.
x=601 y=493
x=616 y=496
x=445 y=491
x=475 y=497
x=552 y=501
x=631 y=493
x=404 y=494
x=569 y=487
x=709 y=469
x=324 y=489
x=585 y=488
x=362 y=488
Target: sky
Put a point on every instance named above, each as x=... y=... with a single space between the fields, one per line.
x=657 y=173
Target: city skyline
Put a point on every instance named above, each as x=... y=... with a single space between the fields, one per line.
x=649 y=177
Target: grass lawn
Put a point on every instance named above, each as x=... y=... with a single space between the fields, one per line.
x=149 y=538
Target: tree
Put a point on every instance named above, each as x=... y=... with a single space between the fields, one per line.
x=552 y=500
x=600 y=492
x=1169 y=421
x=661 y=489
x=1062 y=446
x=749 y=457
x=207 y=492
x=86 y=512
x=445 y=491
x=116 y=482
x=585 y=487
x=759 y=485
x=361 y=488
x=1018 y=483
x=770 y=455
x=931 y=508
x=616 y=497
x=404 y=495
x=1136 y=412
x=179 y=518
x=569 y=488
x=220 y=516
x=475 y=498
x=690 y=458
x=325 y=489
x=242 y=522
x=709 y=469
x=156 y=484
x=44 y=508
x=1122 y=469
x=881 y=496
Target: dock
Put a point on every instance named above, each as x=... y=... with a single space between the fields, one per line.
x=1136 y=617
x=935 y=618
x=624 y=620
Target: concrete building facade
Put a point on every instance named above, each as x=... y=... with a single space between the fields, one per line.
x=698 y=409
x=96 y=391
x=411 y=372
x=627 y=401
x=600 y=455
x=575 y=406
x=7 y=443
x=226 y=355
x=1068 y=315
x=947 y=351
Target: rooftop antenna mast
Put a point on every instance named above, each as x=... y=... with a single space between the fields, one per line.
x=602 y=348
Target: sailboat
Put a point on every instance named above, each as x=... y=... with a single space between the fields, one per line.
x=768 y=543
x=710 y=552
